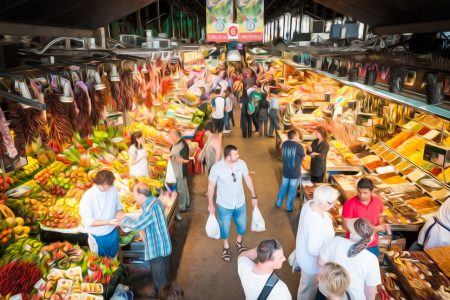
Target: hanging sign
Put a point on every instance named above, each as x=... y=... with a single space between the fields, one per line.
x=219 y=16
x=233 y=31
x=250 y=16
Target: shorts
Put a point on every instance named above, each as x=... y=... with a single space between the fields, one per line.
x=239 y=216
x=218 y=124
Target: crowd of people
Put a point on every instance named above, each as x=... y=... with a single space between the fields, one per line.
x=331 y=267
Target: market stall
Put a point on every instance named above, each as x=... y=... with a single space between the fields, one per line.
x=91 y=108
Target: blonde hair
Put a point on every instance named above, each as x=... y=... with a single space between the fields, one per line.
x=335 y=279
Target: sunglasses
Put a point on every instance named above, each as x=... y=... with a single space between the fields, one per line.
x=234 y=177
x=332 y=203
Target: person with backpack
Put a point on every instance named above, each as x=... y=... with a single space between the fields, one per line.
x=218 y=111
x=256 y=270
x=247 y=110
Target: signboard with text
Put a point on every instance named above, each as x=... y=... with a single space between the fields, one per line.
x=219 y=16
x=250 y=17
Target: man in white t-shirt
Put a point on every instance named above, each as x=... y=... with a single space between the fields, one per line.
x=228 y=174
x=218 y=111
x=269 y=256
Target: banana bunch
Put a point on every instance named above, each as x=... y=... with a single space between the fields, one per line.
x=121 y=168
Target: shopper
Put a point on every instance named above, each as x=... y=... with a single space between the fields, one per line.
x=228 y=110
x=256 y=96
x=291 y=110
x=256 y=270
x=204 y=100
x=315 y=231
x=274 y=111
x=293 y=154
x=436 y=231
x=318 y=152
x=218 y=111
x=352 y=254
x=179 y=160
x=334 y=281
x=137 y=156
x=98 y=208
x=157 y=244
x=247 y=109
x=171 y=291
x=366 y=205
x=212 y=148
x=263 y=117
x=228 y=174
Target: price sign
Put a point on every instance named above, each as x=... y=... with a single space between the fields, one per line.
x=233 y=32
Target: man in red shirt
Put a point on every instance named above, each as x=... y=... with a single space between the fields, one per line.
x=368 y=206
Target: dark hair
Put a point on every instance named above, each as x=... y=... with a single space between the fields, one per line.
x=104 y=177
x=209 y=126
x=227 y=150
x=323 y=132
x=217 y=91
x=291 y=134
x=171 y=291
x=143 y=189
x=266 y=249
x=365 y=183
x=275 y=91
x=259 y=85
x=229 y=90
x=272 y=82
x=134 y=136
x=298 y=102
x=365 y=230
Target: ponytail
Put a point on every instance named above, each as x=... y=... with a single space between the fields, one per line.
x=364 y=229
x=357 y=248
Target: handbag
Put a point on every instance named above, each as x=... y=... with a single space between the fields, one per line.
x=268 y=287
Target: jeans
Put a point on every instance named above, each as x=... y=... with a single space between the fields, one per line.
x=274 y=117
x=292 y=185
x=184 y=199
x=375 y=250
x=246 y=125
x=160 y=271
x=239 y=216
x=227 y=120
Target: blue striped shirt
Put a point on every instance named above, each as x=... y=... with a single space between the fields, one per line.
x=156 y=234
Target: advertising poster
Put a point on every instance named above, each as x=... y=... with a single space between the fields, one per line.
x=219 y=16
x=250 y=17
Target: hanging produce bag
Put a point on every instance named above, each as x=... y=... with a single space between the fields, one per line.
x=212 y=227
x=170 y=174
x=258 y=223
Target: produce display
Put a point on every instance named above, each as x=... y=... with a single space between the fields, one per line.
x=65 y=147
x=390 y=288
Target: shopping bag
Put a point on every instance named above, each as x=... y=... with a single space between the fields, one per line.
x=258 y=223
x=292 y=260
x=170 y=174
x=212 y=227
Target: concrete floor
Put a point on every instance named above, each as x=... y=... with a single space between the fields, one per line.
x=196 y=264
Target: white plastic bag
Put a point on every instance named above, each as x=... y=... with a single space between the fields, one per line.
x=258 y=223
x=292 y=259
x=170 y=174
x=212 y=227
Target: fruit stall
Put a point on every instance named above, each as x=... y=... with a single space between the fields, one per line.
x=79 y=122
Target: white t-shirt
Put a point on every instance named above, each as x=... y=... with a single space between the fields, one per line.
x=363 y=268
x=314 y=232
x=228 y=104
x=230 y=191
x=254 y=283
x=219 y=104
x=140 y=168
x=98 y=205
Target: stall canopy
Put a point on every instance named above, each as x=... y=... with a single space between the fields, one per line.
x=399 y=16
x=80 y=14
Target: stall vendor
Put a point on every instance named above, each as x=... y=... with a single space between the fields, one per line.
x=99 y=207
x=291 y=110
x=138 y=156
x=318 y=152
x=368 y=206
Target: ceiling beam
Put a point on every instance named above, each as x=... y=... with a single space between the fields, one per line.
x=423 y=27
x=41 y=30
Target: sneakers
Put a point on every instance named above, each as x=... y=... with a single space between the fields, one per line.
x=227 y=131
x=178 y=217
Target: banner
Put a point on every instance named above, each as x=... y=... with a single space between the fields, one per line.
x=219 y=16
x=250 y=17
